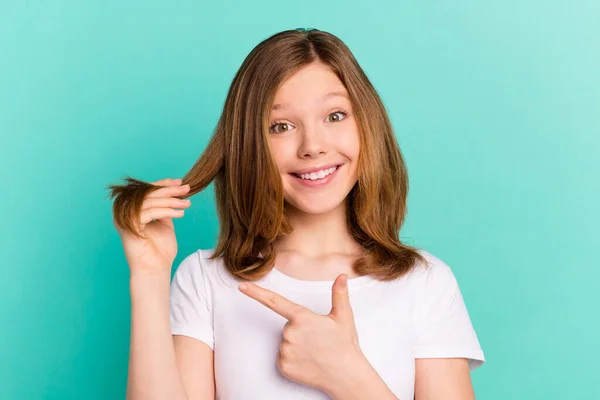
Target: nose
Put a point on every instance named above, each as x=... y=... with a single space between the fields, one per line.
x=313 y=143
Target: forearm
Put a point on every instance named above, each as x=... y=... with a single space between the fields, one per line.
x=153 y=372
x=360 y=382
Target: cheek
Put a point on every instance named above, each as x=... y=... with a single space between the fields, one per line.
x=349 y=145
x=280 y=153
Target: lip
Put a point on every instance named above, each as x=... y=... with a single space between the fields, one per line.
x=315 y=169
x=318 y=182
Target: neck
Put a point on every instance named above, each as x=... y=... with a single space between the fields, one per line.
x=318 y=235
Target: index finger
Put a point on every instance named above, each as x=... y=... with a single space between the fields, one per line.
x=282 y=306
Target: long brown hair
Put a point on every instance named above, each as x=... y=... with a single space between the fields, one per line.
x=248 y=187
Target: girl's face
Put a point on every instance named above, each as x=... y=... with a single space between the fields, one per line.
x=314 y=139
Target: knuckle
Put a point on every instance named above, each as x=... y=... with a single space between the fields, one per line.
x=177 y=202
x=285 y=350
x=287 y=332
x=289 y=338
x=284 y=367
x=148 y=201
x=300 y=314
x=271 y=299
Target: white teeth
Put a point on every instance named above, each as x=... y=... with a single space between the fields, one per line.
x=318 y=175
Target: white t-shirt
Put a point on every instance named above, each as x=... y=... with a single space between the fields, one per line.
x=420 y=315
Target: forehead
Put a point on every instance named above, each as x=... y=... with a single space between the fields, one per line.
x=310 y=86
x=319 y=99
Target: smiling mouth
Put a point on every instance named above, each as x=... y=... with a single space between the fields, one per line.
x=315 y=176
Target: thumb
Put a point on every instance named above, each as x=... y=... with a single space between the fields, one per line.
x=340 y=300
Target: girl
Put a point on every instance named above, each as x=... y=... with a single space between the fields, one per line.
x=309 y=293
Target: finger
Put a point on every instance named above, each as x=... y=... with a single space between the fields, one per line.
x=167 y=202
x=167 y=182
x=148 y=215
x=164 y=202
x=170 y=191
x=282 y=306
x=341 y=309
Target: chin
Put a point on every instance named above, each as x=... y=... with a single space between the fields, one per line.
x=314 y=207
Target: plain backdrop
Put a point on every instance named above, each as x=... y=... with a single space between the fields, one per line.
x=495 y=105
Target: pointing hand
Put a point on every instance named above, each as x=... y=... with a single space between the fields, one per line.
x=316 y=349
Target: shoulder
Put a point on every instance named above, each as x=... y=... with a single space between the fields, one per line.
x=434 y=266
x=199 y=266
x=199 y=261
x=433 y=275
x=440 y=317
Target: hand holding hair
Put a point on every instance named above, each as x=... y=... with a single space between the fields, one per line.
x=154 y=248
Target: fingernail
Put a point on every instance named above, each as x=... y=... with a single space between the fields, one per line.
x=243 y=287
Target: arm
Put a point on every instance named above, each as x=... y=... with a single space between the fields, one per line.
x=443 y=378
x=435 y=379
x=162 y=366
x=195 y=362
x=360 y=382
x=447 y=347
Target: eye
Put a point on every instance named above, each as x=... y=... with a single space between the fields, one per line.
x=344 y=113
x=286 y=127
x=279 y=123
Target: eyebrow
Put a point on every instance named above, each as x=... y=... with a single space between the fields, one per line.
x=325 y=97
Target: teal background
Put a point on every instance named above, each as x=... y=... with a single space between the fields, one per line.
x=495 y=104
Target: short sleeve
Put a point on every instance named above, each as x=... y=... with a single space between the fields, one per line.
x=189 y=311
x=442 y=324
